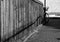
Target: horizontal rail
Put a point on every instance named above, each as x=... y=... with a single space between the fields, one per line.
x=21 y=30
x=37 y=2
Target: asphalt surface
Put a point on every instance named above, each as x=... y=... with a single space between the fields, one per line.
x=48 y=33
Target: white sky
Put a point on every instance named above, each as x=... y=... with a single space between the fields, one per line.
x=54 y=5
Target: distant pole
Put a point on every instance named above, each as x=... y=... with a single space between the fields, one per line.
x=44 y=6
x=44 y=20
x=44 y=3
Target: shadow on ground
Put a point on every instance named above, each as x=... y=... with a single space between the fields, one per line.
x=54 y=22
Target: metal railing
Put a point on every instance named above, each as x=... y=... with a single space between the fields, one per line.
x=22 y=30
x=19 y=17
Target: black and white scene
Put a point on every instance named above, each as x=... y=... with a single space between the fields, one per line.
x=30 y=20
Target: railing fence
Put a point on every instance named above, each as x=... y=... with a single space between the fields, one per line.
x=18 y=14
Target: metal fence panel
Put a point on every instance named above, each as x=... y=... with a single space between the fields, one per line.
x=18 y=13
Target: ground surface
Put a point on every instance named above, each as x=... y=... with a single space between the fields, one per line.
x=47 y=33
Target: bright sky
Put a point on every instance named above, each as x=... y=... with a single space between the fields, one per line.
x=54 y=5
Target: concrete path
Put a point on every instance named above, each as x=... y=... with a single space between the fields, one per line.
x=45 y=34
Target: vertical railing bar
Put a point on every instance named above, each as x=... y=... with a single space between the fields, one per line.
x=21 y=13
x=19 y=21
x=23 y=17
x=16 y=17
x=27 y=14
x=9 y=16
x=13 y=18
x=14 y=12
x=5 y=15
x=13 y=22
x=2 y=5
x=3 y=18
x=28 y=17
x=39 y=19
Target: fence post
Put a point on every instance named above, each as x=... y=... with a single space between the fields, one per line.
x=2 y=5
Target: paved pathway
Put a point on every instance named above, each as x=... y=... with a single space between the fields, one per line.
x=45 y=34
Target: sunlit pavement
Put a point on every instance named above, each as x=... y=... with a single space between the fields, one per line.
x=45 y=34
